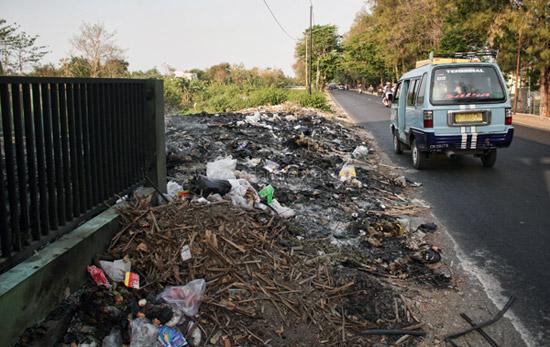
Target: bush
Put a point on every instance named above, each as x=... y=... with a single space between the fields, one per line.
x=267 y=96
x=315 y=100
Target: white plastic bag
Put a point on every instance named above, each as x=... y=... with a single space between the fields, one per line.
x=271 y=166
x=242 y=193
x=361 y=152
x=144 y=334
x=186 y=298
x=221 y=169
x=114 y=339
x=172 y=188
x=116 y=269
x=285 y=212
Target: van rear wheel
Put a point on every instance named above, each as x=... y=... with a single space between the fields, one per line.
x=396 y=143
x=419 y=158
x=489 y=159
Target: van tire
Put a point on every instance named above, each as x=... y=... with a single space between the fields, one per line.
x=489 y=159
x=419 y=158
x=397 y=148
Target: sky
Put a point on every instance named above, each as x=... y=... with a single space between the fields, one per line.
x=184 y=34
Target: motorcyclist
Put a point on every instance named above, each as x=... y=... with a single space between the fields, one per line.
x=388 y=94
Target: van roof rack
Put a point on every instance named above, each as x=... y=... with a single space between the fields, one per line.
x=458 y=57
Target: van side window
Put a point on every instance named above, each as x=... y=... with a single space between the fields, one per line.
x=421 y=91
x=410 y=94
x=397 y=92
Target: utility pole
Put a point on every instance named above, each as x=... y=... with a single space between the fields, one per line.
x=518 y=67
x=310 y=48
x=307 y=62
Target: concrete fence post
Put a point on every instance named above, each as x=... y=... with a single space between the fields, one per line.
x=155 y=141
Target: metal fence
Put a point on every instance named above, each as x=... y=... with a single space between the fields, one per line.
x=68 y=148
x=528 y=102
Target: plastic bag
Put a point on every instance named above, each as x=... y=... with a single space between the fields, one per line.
x=347 y=172
x=212 y=186
x=172 y=188
x=116 y=269
x=242 y=193
x=221 y=169
x=271 y=166
x=267 y=193
x=361 y=152
x=114 y=339
x=144 y=334
x=186 y=298
x=281 y=210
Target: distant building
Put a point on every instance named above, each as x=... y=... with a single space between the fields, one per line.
x=187 y=75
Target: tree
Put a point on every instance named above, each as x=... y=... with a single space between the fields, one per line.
x=97 y=46
x=115 y=68
x=522 y=30
x=76 y=67
x=47 y=70
x=326 y=45
x=219 y=74
x=18 y=50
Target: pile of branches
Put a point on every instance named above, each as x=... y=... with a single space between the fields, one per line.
x=264 y=287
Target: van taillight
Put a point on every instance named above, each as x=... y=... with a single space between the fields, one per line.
x=428 y=119
x=508 y=116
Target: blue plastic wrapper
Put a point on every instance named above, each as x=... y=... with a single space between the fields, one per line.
x=169 y=337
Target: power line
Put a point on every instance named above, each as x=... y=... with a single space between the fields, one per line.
x=277 y=21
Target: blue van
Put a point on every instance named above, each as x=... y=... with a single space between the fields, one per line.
x=452 y=106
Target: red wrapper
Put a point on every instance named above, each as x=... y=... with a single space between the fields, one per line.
x=131 y=280
x=98 y=276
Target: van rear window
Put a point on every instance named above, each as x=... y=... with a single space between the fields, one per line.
x=456 y=85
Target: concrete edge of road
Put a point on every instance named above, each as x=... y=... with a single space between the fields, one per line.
x=465 y=263
x=30 y=290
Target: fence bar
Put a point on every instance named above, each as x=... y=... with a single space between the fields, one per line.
x=73 y=152
x=63 y=108
x=48 y=149
x=10 y=163
x=84 y=98
x=104 y=143
x=38 y=115
x=21 y=168
x=79 y=150
x=31 y=163
x=58 y=154
x=91 y=95
x=5 y=189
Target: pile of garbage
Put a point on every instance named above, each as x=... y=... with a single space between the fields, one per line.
x=319 y=172
x=280 y=229
x=219 y=275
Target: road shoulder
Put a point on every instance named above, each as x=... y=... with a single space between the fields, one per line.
x=532 y=121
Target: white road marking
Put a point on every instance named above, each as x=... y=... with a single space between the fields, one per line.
x=464 y=137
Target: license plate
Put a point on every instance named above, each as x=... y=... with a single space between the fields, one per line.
x=469 y=117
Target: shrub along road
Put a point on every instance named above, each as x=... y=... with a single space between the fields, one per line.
x=499 y=217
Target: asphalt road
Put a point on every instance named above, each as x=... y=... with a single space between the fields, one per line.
x=500 y=217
